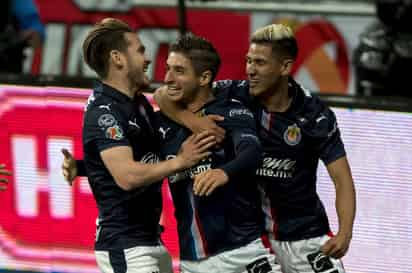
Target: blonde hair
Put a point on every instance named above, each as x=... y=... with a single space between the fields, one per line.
x=279 y=36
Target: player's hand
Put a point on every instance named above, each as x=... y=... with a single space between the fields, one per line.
x=195 y=148
x=4 y=181
x=69 y=167
x=205 y=183
x=337 y=246
x=208 y=123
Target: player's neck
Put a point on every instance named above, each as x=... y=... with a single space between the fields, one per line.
x=277 y=99
x=121 y=84
x=202 y=97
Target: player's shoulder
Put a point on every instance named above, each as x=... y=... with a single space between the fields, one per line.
x=314 y=116
x=232 y=88
x=231 y=108
x=228 y=84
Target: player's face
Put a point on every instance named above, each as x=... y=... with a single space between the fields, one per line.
x=263 y=69
x=182 y=82
x=136 y=61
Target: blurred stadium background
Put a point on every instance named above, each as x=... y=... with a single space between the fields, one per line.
x=46 y=226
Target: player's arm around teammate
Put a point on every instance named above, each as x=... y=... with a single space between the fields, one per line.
x=186 y=118
x=130 y=174
x=138 y=174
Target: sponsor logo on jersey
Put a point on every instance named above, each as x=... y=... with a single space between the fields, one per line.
x=150 y=158
x=203 y=166
x=275 y=167
x=240 y=112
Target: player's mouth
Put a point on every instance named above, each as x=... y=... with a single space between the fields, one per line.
x=173 y=90
x=253 y=83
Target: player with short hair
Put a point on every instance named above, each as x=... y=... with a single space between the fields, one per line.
x=296 y=130
x=217 y=201
x=120 y=145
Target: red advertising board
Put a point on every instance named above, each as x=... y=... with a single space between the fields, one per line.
x=43 y=221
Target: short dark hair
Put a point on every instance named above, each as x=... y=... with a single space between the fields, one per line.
x=279 y=37
x=200 y=51
x=105 y=36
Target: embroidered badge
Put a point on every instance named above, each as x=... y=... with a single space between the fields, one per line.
x=114 y=132
x=106 y=120
x=292 y=135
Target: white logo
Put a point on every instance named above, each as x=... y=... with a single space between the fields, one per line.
x=322 y=117
x=239 y=112
x=163 y=132
x=235 y=100
x=334 y=129
x=106 y=120
x=241 y=83
x=255 y=138
x=107 y=107
x=150 y=158
x=319 y=261
x=279 y=168
x=134 y=123
x=90 y=99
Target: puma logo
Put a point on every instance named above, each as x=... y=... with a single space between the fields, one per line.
x=134 y=123
x=107 y=107
x=163 y=132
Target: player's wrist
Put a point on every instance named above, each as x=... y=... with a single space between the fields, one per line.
x=178 y=163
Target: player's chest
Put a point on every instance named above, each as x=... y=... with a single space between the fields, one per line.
x=282 y=135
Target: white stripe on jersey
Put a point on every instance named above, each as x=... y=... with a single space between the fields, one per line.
x=195 y=231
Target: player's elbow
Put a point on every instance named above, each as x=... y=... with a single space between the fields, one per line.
x=124 y=183
x=130 y=181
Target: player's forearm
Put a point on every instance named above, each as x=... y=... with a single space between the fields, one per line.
x=340 y=173
x=248 y=159
x=345 y=206
x=141 y=174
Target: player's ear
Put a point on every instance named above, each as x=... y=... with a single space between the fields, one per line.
x=286 y=67
x=205 y=78
x=116 y=58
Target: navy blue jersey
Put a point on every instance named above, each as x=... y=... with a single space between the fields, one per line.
x=231 y=216
x=293 y=142
x=126 y=218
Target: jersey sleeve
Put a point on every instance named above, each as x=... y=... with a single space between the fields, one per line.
x=330 y=146
x=105 y=127
x=241 y=128
x=236 y=90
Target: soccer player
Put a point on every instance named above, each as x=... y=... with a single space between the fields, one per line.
x=296 y=130
x=3 y=180
x=217 y=201
x=120 y=146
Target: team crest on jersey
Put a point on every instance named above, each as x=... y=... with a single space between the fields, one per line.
x=292 y=135
x=114 y=132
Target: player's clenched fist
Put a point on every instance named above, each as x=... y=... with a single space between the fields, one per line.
x=69 y=167
x=3 y=180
